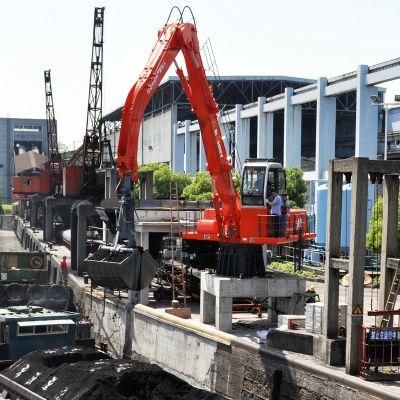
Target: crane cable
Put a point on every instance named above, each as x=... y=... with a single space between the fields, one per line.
x=212 y=67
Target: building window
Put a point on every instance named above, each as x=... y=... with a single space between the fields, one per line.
x=25 y=330
x=27 y=128
x=42 y=330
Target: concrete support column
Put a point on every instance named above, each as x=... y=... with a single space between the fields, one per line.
x=84 y=210
x=366 y=117
x=144 y=239
x=224 y=132
x=261 y=129
x=110 y=184
x=188 y=148
x=48 y=221
x=141 y=296
x=35 y=204
x=269 y=135
x=81 y=240
x=359 y=202
x=291 y=132
x=223 y=313
x=333 y=234
x=178 y=153
x=146 y=185
x=202 y=155
x=207 y=307
x=389 y=235
x=272 y=314
x=193 y=152
x=325 y=129
x=74 y=244
x=242 y=137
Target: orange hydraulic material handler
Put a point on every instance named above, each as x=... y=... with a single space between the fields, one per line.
x=238 y=225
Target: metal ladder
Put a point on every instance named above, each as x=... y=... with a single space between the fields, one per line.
x=178 y=275
x=392 y=297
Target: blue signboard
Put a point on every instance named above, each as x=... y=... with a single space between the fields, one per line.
x=385 y=335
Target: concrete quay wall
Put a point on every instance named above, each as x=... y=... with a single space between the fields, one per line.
x=236 y=368
x=213 y=360
x=217 y=361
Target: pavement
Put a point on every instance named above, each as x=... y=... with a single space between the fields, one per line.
x=8 y=241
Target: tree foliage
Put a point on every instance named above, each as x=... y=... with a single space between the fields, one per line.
x=296 y=187
x=374 y=234
x=163 y=176
x=200 y=188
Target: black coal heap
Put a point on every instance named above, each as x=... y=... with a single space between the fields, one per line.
x=82 y=374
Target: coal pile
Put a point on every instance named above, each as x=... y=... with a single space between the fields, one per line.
x=83 y=374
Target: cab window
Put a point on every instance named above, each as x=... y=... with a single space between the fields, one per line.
x=253 y=186
x=276 y=181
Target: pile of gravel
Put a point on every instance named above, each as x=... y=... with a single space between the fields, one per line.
x=80 y=373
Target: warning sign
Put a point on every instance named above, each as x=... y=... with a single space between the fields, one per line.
x=357 y=310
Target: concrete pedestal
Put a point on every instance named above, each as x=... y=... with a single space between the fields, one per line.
x=85 y=209
x=146 y=185
x=50 y=205
x=217 y=293
x=36 y=202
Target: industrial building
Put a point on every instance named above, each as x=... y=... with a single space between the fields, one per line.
x=18 y=135
x=393 y=134
x=300 y=122
x=168 y=118
x=169 y=108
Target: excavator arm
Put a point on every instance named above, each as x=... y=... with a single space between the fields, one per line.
x=172 y=39
x=238 y=231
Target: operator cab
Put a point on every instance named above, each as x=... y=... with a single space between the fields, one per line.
x=259 y=178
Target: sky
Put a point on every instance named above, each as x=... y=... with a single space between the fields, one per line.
x=301 y=38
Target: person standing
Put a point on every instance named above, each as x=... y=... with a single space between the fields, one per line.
x=276 y=205
x=285 y=211
x=64 y=271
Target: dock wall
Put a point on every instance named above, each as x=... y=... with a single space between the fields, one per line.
x=217 y=361
x=213 y=360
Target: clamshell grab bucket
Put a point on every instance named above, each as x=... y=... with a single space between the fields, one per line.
x=133 y=270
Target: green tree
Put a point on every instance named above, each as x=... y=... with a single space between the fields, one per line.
x=296 y=187
x=200 y=188
x=163 y=176
x=374 y=234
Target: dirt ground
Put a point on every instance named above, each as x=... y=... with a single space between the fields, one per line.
x=82 y=374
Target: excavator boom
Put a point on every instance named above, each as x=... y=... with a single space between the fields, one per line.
x=237 y=227
x=172 y=39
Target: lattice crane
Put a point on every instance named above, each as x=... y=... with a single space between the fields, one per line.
x=91 y=144
x=54 y=165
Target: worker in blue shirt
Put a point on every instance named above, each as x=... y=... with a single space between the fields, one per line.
x=276 y=205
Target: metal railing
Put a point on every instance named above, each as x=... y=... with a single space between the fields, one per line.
x=282 y=226
x=379 y=353
x=190 y=220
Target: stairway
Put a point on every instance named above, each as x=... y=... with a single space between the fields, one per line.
x=392 y=297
